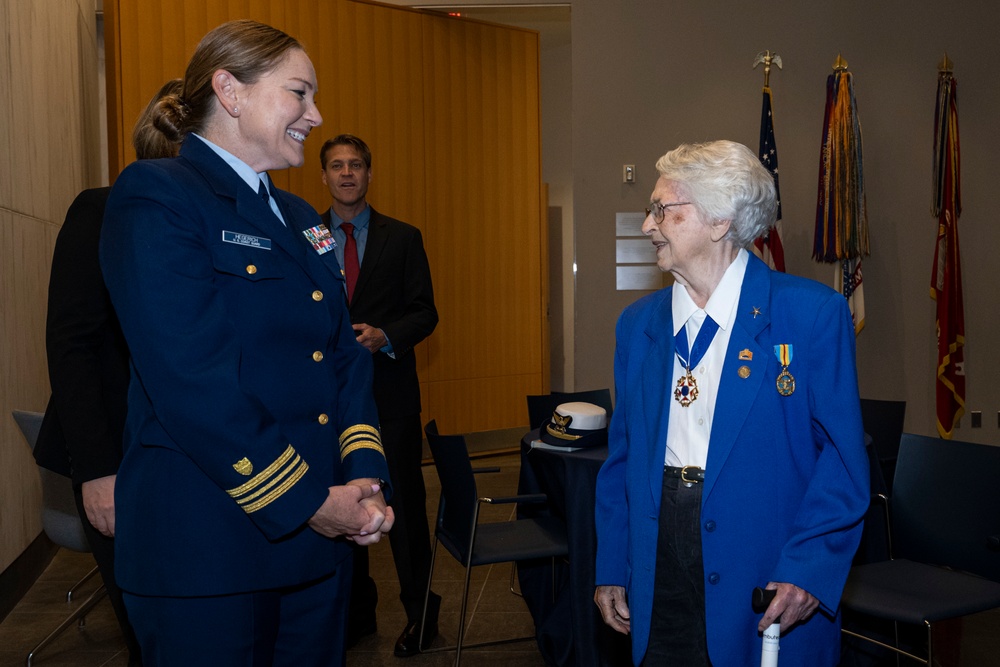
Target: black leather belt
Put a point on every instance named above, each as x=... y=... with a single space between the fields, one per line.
x=687 y=474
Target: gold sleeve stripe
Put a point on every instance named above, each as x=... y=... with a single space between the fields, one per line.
x=361 y=445
x=358 y=431
x=277 y=479
x=279 y=490
x=358 y=437
x=361 y=437
x=286 y=467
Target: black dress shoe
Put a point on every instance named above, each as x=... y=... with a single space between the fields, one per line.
x=409 y=643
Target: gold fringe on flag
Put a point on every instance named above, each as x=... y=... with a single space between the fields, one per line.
x=841 y=212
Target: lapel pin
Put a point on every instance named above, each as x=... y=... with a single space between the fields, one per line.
x=755 y=312
x=744 y=372
x=746 y=355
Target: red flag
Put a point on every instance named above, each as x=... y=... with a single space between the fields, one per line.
x=769 y=247
x=946 y=277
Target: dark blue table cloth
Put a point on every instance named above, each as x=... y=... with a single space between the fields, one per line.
x=570 y=630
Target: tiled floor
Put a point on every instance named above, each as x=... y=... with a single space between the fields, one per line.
x=493 y=611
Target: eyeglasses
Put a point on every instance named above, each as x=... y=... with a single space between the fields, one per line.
x=657 y=210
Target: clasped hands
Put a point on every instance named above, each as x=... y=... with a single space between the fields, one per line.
x=356 y=510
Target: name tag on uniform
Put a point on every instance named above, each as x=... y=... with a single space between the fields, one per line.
x=246 y=239
x=320 y=238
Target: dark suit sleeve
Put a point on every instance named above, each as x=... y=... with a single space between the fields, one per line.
x=86 y=352
x=418 y=316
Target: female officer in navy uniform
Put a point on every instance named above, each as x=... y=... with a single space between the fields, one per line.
x=252 y=450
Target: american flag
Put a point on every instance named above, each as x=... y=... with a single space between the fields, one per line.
x=849 y=283
x=769 y=247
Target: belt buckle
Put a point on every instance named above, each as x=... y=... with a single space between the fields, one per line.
x=684 y=478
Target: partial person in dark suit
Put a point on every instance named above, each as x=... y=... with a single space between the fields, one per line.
x=252 y=452
x=81 y=435
x=392 y=309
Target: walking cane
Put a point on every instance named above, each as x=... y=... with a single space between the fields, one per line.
x=769 y=649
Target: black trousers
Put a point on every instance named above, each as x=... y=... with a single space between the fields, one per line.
x=296 y=626
x=402 y=440
x=677 y=625
x=103 y=549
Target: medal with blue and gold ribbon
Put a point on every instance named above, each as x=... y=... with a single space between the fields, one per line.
x=786 y=382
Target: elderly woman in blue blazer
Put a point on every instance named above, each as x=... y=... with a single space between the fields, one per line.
x=252 y=450
x=736 y=451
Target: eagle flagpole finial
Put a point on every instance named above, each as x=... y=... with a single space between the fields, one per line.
x=767 y=59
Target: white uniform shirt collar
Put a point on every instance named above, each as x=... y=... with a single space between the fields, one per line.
x=721 y=305
x=244 y=170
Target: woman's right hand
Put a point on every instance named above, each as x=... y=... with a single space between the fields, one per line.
x=614 y=609
x=342 y=513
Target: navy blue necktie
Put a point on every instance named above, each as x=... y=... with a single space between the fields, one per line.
x=263 y=194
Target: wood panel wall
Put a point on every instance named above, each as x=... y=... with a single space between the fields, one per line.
x=49 y=151
x=450 y=108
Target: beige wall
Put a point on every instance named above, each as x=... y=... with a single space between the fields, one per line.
x=450 y=110
x=49 y=151
x=649 y=74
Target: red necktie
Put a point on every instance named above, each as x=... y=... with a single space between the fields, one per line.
x=351 y=266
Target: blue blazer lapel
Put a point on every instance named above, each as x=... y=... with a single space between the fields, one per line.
x=737 y=394
x=657 y=383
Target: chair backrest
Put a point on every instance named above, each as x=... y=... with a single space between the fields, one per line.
x=883 y=421
x=874 y=546
x=457 y=507
x=946 y=504
x=541 y=407
x=60 y=517
x=30 y=424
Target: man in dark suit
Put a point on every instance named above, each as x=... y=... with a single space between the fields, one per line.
x=388 y=284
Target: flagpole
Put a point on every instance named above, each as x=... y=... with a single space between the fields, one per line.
x=769 y=247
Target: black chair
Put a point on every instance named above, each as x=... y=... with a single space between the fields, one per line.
x=62 y=524
x=473 y=543
x=541 y=406
x=874 y=545
x=883 y=421
x=944 y=539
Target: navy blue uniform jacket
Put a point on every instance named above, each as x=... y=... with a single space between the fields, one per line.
x=249 y=394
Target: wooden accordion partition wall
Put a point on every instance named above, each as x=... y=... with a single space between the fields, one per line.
x=450 y=108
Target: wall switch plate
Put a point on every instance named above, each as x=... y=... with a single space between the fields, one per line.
x=977 y=419
x=628 y=173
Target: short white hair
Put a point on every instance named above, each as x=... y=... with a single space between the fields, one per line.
x=725 y=181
